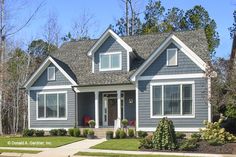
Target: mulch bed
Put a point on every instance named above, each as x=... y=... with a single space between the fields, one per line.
x=204 y=147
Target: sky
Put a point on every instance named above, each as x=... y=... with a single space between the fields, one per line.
x=105 y=12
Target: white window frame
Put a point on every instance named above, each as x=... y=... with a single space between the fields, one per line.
x=54 y=76
x=56 y=92
x=110 y=69
x=176 y=56
x=181 y=104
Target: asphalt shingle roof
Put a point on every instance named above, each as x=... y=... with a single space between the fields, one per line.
x=72 y=56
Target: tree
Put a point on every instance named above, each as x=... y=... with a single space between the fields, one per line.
x=52 y=31
x=173 y=20
x=233 y=28
x=198 y=18
x=153 y=15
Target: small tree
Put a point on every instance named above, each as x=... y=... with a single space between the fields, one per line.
x=164 y=136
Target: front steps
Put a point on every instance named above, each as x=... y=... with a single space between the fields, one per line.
x=99 y=132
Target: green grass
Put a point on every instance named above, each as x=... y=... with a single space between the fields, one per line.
x=40 y=142
x=119 y=155
x=119 y=144
x=19 y=151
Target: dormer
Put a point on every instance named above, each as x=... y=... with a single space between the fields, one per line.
x=110 y=53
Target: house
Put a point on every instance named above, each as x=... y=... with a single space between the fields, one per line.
x=140 y=78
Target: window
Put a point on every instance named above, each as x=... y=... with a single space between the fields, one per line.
x=110 y=61
x=51 y=105
x=51 y=74
x=171 y=58
x=172 y=99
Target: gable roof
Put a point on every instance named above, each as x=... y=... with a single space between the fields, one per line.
x=104 y=36
x=43 y=66
x=74 y=55
x=171 y=39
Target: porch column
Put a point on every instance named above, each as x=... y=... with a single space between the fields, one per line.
x=96 y=109
x=119 y=108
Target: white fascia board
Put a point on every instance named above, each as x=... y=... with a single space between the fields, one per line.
x=104 y=37
x=42 y=67
x=171 y=39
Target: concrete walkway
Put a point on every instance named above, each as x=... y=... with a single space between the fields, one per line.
x=156 y=153
x=24 y=148
x=70 y=149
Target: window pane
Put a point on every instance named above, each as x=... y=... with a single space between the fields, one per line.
x=157 y=100
x=187 y=99
x=104 y=61
x=115 y=60
x=62 y=105
x=172 y=99
x=51 y=73
x=51 y=105
x=40 y=106
x=172 y=57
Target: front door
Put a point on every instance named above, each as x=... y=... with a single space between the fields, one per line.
x=112 y=111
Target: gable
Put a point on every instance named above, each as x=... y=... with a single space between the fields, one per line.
x=60 y=79
x=110 y=45
x=184 y=66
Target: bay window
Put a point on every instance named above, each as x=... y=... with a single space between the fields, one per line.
x=51 y=105
x=172 y=99
x=110 y=61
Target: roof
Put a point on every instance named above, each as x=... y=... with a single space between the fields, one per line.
x=73 y=56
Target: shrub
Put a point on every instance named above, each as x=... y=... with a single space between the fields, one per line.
x=213 y=131
x=180 y=135
x=28 y=132
x=109 y=135
x=230 y=125
x=188 y=145
x=62 y=132
x=230 y=111
x=90 y=132
x=124 y=123
x=164 y=137
x=142 y=134
x=91 y=123
x=39 y=133
x=215 y=142
x=123 y=134
x=146 y=143
x=131 y=133
x=196 y=136
x=117 y=133
x=85 y=132
x=71 y=131
x=76 y=132
x=53 y=132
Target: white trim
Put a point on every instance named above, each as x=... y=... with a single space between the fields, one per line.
x=48 y=129
x=128 y=61
x=171 y=39
x=93 y=63
x=136 y=102
x=52 y=92
x=176 y=56
x=119 y=107
x=28 y=109
x=105 y=35
x=42 y=67
x=96 y=109
x=181 y=83
x=54 y=74
x=51 y=87
x=104 y=88
x=110 y=68
x=176 y=76
x=209 y=100
x=176 y=129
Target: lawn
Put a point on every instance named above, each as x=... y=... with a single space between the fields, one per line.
x=40 y=142
x=119 y=155
x=119 y=144
x=19 y=151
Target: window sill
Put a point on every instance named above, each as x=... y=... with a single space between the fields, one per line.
x=51 y=119
x=110 y=69
x=174 y=116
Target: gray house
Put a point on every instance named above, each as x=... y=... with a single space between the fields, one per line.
x=140 y=78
